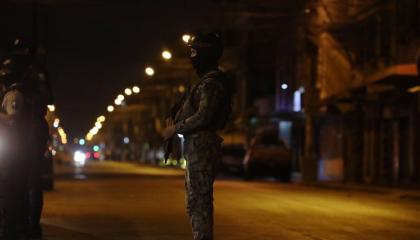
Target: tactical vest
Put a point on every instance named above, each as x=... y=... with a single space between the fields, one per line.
x=219 y=120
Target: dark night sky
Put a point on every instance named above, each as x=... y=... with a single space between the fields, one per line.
x=97 y=48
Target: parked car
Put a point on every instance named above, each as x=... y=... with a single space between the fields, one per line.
x=64 y=157
x=268 y=156
x=232 y=158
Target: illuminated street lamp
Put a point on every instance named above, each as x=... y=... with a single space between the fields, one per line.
x=89 y=136
x=94 y=131
x=149 y=71
x=128 y=91
x=136 y=89
x=110 y=108
x=186 y=38
x=166 y=55
x=101 y=119
x=56 y=123
x=121 y=97
x=98 y=125
x=181 y=88
x=51 y=108
x=118 y=101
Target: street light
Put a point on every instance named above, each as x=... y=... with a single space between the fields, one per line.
x=136 y=89
x=128 y=91
x=166 y=55
x=101 y=119
x=150 y=71
x=51 y=108
x=121 y=97
x=284 y=86
x=181 y=88
x=94 y=131
x=186 y=38
x=98 y=125
x=56 y=123
x=110 y=108
x=89 y=136
x=118 y=101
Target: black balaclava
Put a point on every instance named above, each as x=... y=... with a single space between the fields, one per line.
x=13 y=66
x=206 y=50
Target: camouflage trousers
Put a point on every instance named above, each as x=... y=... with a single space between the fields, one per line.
x=202 y=153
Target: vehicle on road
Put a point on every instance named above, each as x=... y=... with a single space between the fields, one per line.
x=232 y=158
x=268 y=155
x=63 y=156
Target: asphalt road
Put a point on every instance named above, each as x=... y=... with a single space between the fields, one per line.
x=123 y=201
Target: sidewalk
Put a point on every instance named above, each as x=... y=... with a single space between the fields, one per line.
x=400 y=193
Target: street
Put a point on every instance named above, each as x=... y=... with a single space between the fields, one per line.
x=111 y=200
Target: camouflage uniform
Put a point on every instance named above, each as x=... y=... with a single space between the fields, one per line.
x=199 y=118
x=15 y=164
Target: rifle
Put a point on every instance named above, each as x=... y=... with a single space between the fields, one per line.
x=172 y=115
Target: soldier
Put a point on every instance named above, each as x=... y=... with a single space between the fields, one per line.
x=39 y=96
x=204 y=111
x=15 y=121
x=33 y=86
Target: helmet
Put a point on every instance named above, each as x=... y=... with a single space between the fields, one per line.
x=13 y=66
x=206 y=49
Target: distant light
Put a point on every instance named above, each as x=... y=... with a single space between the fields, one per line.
x=183 y=163
x=284 y=86
x=96 y=148
x=110 y=108
x=87 y=155
x=98 y=125
x=297 y=101
x=79 y=158
x=56 y=123
x=414 y=89
x=121 y=97
x=136 y=89
x=101 y=119
x=7 y=61
x=53 y=152
x=118 y=102
x=307 y=10
x=181 y=88
x=166 y=55
x=150 y=71
x=126 y=140
x=186 y=38
x=82 y=142
x=128 y=92
x=180 y=136
x=51 y=108
x=94 y=131
x=89 y=136
x=96 y=155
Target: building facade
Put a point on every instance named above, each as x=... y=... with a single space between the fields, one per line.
x=358 y=62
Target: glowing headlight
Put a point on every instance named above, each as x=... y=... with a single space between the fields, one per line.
x=79 y=158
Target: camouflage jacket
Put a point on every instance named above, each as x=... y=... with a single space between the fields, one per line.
x=203 y=108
